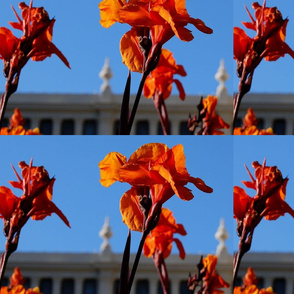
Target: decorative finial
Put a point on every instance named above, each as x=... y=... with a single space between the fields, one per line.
x=221 y=235
x=221 y=76
x=105 y=74
x=105 y=234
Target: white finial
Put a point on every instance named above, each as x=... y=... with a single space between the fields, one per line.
x=221 y=235
x=105 y=234
x=105 y=74
x=221 y=76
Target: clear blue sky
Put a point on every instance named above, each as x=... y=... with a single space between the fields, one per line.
x=78 y=193
x=79 y=35
x=86 y=44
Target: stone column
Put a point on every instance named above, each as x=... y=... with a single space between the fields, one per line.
x=35 y=282
x=174 y=285
x=152 y=286
x=268 y=123
x=56 y=287
x=56 y=128
x=35 y=123
x=105 y=282
x=175 y=127
x=105 y=125
x=268 y=282
x=289 y=128
x=153 y=130
x=78 y=286
x=78 y=126
x=289 y=285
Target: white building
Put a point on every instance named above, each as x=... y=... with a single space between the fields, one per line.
x=90 y=114
x=97 y=273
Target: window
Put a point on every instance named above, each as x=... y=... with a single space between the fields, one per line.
x=27 y=124
x=46 y=286
x=260 y=283
x=142 y=287
x=67 y=286
x=142 y=127
x=184 y=128
x=27 y=283
x=90 y=286
x=279 y=126
x=184 y=288
x=239 y=122
x=260 y=124
x=46 y=126
x=279 y=286
x=67 y=127
x=5 y=122
x=239 y=281
x=159 y=288
x=160 y=130
x=5 y=281
x=90 y=127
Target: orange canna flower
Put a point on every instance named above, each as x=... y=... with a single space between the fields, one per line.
x=17 y=285
x=17 y=126
x=212 y=121
x=152 y=164
x=8 y=44
x=160 y=80
x=35 y=42
x=207 y=281
x=159 y=19
x=160 y=239
x=36 y=201
x=158 y=85
x=154 y=169
x=250 y=126
x=213 y=282
x=250 y=285
x=269 y=42
x=37 y=30
x=208 y=122
x=268 y=202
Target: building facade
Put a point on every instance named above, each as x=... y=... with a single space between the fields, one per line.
x=96 y=273
x=91 y=114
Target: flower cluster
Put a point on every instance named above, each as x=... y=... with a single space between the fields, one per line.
x=268 y=202
x=17 y=285
x=208 y=281
x=249 y=127
x=152 y=168
x=208 y=122
x=153 y=24
x=35 y=43
x=268 y=43
x=250 y=285
x=17 y=126
x=35 y=202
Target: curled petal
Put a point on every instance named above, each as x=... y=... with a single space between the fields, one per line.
x=180 y=248
x=130 y=210
x=242 y=202
x=130 y=51
x=8 y=202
